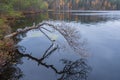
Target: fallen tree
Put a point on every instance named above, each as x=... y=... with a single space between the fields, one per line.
x=71 y=34
x=72 y=69
x=39 y=26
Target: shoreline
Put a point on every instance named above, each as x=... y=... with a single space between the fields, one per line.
x=6 y=47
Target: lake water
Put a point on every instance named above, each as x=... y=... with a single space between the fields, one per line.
x=89 y=43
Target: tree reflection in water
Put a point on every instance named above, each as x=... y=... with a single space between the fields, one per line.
x=73 y=70
x=11 y=71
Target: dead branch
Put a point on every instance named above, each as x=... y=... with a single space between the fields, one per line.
x=28 y=29
x=68 y=33
x=48 y=52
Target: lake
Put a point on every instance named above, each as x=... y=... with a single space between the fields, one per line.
x=86 y=45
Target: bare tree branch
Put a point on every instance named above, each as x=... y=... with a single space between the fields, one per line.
x=27 y=29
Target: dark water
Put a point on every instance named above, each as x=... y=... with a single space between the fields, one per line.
x=91 y=46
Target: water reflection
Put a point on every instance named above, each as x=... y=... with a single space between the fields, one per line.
x=75 y=70
x=68 y=66
x=28 y=20
x=72 y=70
x=76 y=15
x=103 y=39
x=86 y=17
x=11 y=71
x=70 y=33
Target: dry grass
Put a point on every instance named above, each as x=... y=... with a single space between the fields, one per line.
x=6 y=45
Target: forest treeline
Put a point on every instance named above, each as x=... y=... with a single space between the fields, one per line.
x=14 y=8
x=84 y=4
x=10 y=6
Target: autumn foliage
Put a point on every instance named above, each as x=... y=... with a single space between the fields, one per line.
x=6 y=46
x=84 y=4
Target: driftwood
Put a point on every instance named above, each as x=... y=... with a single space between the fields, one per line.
x=69 y=33
x=19 y=31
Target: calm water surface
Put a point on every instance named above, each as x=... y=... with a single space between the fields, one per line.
x=98 y=41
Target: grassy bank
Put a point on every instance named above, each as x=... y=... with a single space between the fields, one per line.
x=6 y=46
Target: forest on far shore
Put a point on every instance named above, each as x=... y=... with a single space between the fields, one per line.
x=84 y=4
x=14 y=8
